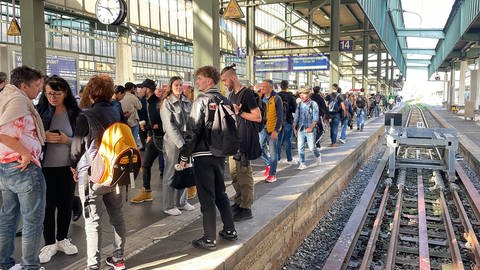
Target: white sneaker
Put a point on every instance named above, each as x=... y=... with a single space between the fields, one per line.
x=67 y=247
x=342 y=141
x=173 y=211
x=187 y=207
x=291 y=162
x=302 y=166
x=47 y=252
x=16 y=267
x=319 y=159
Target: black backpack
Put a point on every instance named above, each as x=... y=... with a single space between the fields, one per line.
x=221 y=127
x=260 y=126
x=361 y=102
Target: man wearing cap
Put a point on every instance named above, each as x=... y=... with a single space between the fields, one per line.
x=154 y=146
x=304 y=123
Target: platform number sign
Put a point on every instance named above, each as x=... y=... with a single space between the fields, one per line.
x=241 y=52
x=420 y=125
x=345 y=45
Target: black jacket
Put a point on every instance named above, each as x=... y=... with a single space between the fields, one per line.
x=153 y=112
x=290 y=100
x=106 y=114
x=322 y=106
x=195 y=141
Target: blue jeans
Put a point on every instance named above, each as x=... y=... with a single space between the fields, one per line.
x=360 y=117
x=285 y=137
x=334 y=129
x=377 y=111
x=23 y=193
x=135 y=130
x=270 y=160
x=309 y=138
x=343 y=135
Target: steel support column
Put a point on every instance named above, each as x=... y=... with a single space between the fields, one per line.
x=391 y=75
x=379 y=67
x=451 y=89
x=461 y=86
x=123 y=59
x=310 y=44
x=366 y=40
x=334 y=39
x=387 y=79
x=34 y=51
x=206 y=33
x=250 y=43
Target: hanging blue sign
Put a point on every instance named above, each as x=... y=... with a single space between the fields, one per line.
x=63 y=66
x=278 y=64
x=345 y=45
x=241 y=52
x=310 y=63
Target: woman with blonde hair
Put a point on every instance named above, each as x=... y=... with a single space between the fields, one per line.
x=174 y=111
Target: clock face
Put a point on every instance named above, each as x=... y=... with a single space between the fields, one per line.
x=111 y=11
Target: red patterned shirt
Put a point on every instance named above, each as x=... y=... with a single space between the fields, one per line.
x=22 y=129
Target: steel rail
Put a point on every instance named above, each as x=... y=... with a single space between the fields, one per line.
x=343 y=248
x=377 y=225
x=392 y=248
x=423 y=252
x=472 y=192
x=469 y=234
x=452 y=239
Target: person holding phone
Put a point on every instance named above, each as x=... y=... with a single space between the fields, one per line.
x=58 y=110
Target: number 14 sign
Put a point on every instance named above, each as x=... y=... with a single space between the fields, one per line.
x=345 y=45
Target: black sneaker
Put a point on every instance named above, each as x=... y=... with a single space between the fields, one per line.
x=235 y=208
x=242 y=214
x=205 y=243
x=228 y=235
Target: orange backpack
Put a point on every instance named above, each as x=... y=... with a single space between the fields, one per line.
x=117 y=160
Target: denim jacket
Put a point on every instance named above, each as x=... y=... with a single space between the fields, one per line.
x=306 y=113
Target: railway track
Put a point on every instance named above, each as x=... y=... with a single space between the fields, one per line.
x=417 y=220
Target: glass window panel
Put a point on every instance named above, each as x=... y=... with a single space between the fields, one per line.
x=164 y=16
x=182 y=19
x=144 y=13
x=133 y=10
x=173 y=17
x=155 y=14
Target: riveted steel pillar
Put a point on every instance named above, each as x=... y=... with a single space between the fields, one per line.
x=461 y=86
x=366 y=40
x=250 y=43
x=34 y=51
x=206 y=33
x=334 y=39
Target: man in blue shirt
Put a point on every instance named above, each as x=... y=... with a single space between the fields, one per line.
x=304 y=123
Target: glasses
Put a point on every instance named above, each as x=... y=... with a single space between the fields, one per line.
x=56 y=94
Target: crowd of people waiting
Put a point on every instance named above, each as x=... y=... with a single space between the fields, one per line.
x=45 y=150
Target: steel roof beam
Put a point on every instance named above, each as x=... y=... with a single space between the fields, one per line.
x=471 y=37
x=421 y=33
x=419 y=51
x=465 y=12
x=418 y=61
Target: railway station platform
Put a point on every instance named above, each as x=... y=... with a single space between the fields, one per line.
x=284 y=214
x=468 y=132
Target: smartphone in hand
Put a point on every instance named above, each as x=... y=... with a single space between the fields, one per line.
x=55 y=131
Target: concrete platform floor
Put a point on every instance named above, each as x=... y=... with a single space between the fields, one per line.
x=158 y=241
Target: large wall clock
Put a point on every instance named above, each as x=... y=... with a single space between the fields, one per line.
x=111 y=11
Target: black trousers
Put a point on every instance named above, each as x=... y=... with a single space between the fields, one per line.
x=152 y=151
x=209 y=178
x=143 y=137
x=60 y=191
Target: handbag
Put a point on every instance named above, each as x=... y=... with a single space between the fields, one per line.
x=183 y=178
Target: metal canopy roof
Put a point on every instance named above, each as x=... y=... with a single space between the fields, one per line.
x=462 y=36
x=352 y=16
